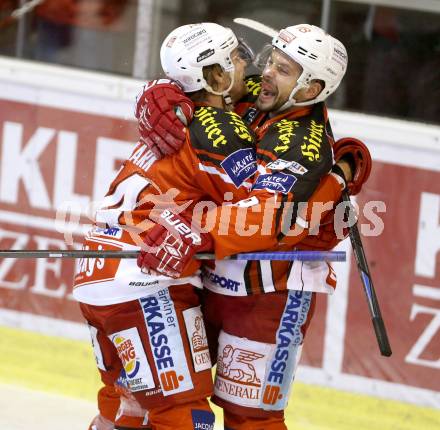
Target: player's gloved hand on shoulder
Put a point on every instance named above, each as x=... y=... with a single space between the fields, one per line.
x=331 y=231
x=171 y=246
x=356 y=155
x=163 y=110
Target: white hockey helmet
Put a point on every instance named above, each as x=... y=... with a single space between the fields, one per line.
x=189 y=48
x=320 y=55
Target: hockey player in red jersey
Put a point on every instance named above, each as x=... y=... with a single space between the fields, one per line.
x=147 y=330
x=260 y=336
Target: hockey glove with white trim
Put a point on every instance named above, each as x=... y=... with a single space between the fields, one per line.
x=330 y=233
x=357 y=155
x=171 y=246
x=163 y=111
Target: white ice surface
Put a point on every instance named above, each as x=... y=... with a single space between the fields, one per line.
x=24 y=409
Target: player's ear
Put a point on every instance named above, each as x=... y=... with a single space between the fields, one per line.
x=314 y=89
x=221 y=77
x=214 y=76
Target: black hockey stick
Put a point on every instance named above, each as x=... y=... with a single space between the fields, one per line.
x=367 y=282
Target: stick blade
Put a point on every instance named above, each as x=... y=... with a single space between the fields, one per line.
x=382 y=337
x=256 y=25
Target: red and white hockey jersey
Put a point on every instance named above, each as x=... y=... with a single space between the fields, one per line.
x=294 y=157
x=195 y=177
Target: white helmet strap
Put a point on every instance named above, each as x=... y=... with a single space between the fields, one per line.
x=225 y=93
x=300 y=84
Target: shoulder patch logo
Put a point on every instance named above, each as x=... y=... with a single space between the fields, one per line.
x=240 y=165
x=293 y=166
x=278 y=182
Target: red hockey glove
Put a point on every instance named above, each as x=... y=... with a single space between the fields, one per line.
x=329 y=235
x=163 y=110
x=358 y=156
x=172 y=245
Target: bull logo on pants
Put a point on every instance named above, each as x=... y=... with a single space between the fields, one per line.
x=235 y=365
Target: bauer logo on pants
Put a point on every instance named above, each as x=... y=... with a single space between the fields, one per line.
x=195 y=328
x=166 y=342
x=132 y=355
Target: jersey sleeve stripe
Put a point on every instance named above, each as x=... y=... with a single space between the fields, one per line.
x=260 y=277
x=266 y=155
x=248 y=278
x=209 y=154
x=266 y=274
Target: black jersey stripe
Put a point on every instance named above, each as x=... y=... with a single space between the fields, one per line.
x=260 y=277
x=247 y=278
x=207 y=158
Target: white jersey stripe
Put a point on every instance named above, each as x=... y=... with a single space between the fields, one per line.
x=266 y=276
x=224 y=176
